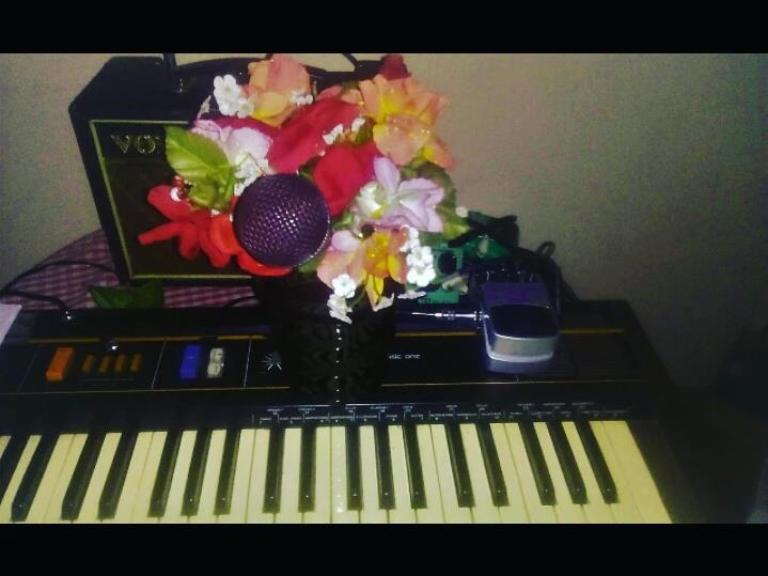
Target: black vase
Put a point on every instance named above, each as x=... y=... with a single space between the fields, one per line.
x=322 y=357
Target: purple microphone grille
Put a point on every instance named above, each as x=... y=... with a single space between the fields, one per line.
x=282 y=220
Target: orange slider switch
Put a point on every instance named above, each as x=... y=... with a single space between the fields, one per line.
x=60 y=364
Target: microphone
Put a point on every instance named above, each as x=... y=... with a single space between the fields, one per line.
x=282 y=220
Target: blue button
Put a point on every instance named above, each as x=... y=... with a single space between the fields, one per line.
x=190 y=362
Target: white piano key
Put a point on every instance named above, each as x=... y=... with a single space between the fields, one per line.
x=340 y=514
x=140 y=512
x=596 y=510
x=206 y=511
x=322 y=512
x=516 y=511
x=371 y=513
x=484 y=511
x=6 y=506
x=129 y=494
x=634 y=466
x=89 y=512
x=173 y=509
x=433 y=513
x=625 y=510
x=3 y=443
x=289 y=484
x=238 y=509
x=402 y=513
x=256 y=512
x=538 y=513
x=452 y=512
x=45 y=490
x=567 y=512
x=53 y=510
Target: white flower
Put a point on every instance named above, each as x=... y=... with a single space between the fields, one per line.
x=421 y=276
x=420 y=257
x=383 y=302
x=337 y=308
x=229 y=95
x=331 y=136
x=357 y=123
x=299 y=98
x=413 y=241
x=344 y=286
x=462 y=212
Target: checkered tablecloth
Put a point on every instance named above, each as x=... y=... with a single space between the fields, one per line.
x=71 y=283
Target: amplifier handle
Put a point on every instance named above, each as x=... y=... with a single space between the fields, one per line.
x=178 y=75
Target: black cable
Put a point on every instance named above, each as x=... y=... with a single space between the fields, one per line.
x=236 y=301
x=64 y=262
x=42 y=297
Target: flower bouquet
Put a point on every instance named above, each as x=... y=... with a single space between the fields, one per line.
x=349 y=184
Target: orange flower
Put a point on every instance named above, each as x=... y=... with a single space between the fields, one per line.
x=404 y=114
x=276 y=87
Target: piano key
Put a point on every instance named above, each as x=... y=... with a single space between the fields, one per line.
x=173 y=507
x=432 y=512
x=354 y=487
x=340 y=513
x=143 y=501
x=229 y=463
x=458 y=458
x=81 y=478
x=452 y=511
x=625 y=509
x=117 y=473
x=492 y=465
x=307 y=471
x=371 y=512
x=515 y=510
x=413 y=461
x=129 y=493
x=597 y=462
x=274 y=470
x=567 y=512
x=197 y=465
x=10 y=460
x=595 y=509
x=538 y=512
x=3 y=443
x=206 y=512
x=255 y=513
x=570 y=470
x=634 y=466
x=238 y=503
x=89 y=512
x=484 y=509
x=53 y=510
x=401 y=512
x=48 y=483
x=164 y=474
x=321 y=513
x=538 y=464
x=17 y=474
x=384 y=467
x=289 y=512
x=32 y=477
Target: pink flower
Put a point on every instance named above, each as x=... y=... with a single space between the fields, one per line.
x=235 y=141
x=275 y=88
x=391 y=203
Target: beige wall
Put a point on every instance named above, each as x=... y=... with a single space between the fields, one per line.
x=648 y=171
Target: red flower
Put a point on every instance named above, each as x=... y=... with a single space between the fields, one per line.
x=223 y=237
x=393 y=67
x=301 y=139
x=342 y=172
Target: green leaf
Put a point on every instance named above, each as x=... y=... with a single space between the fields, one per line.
x=203 y=193
x=149 y=295
x=195 y=157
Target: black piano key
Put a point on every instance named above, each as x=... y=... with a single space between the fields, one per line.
x=25 y=495
x=274 y=471
x=413 y=462
x=162 y=487
x=384 y=467
x=113 y=487
x=307 y=469
x=538 y=465
x=81 y=477
x=568 y=465
x=597 y=462
x=492 y=465
x=354 y=481
x=227 y=473
x=194 y=485
x=459 y=466
x=10 y=460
